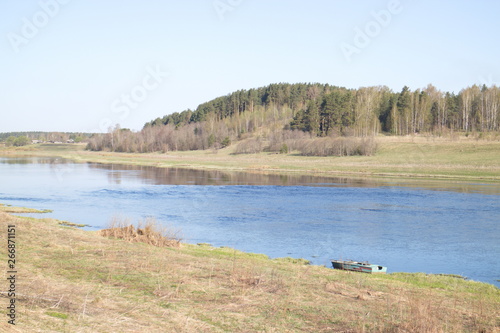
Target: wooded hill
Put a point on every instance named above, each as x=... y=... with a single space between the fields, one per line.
x=310 y=110
x=321 y=108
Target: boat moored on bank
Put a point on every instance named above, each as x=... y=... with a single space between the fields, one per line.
x=357 y=266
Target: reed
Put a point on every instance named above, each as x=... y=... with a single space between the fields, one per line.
x=148 y=231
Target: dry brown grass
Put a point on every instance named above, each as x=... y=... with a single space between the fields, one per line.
x=148 y=231
x=72 y=280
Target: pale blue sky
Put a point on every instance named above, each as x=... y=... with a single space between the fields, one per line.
x=75 y=69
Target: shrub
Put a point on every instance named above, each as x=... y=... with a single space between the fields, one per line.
x=17 y=141
x=249 y=146
x=21 y=141
x=226 y=142
x=284 y=149
x=368 y=146
x=340 y=146
x=10 y=141
x=148 y=231
x=211 y=140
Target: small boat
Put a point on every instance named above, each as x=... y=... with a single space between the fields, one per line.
x=356 y=266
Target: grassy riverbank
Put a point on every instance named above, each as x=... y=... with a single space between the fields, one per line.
x=71 y=280
x=414 y=157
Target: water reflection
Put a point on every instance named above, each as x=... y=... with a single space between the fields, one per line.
x=118 y=173
x=182 y=176
x=35 y=160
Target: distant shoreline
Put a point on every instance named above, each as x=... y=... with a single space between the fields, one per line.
x=464 y=159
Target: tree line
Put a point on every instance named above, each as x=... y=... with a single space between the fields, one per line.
x=320 y=110
x=24 y=138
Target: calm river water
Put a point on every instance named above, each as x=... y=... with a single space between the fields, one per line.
x=432 y=227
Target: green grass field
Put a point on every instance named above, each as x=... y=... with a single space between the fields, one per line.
x=71 y=280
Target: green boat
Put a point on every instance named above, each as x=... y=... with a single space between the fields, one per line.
x=356 y=266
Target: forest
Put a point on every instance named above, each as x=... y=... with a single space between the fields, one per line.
x=283 y=116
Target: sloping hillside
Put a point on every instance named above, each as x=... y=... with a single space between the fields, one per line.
x=78 y=281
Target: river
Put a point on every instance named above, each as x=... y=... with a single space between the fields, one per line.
x=409 y=226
